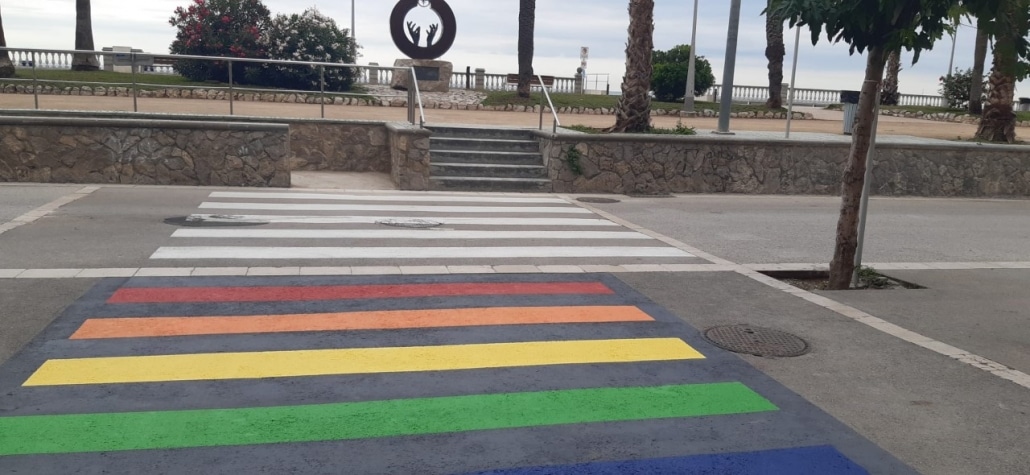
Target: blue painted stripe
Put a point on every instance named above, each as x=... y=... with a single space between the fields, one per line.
x=819 y=460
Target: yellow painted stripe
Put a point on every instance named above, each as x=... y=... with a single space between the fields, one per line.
x=280 y=364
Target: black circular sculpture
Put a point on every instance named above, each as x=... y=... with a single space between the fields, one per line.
x=407 y=37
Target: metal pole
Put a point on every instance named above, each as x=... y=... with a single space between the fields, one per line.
x=542 y=105
x=954 y=39
x=35 y=81
x=231 y=102
x=727 y=74
x=321 y=79
x=863 y=209
x=353 y=37
x=688 y=99
x=132 y=60
x=793 y=76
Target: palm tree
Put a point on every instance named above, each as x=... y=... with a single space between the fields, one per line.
x=84 y=38
x=889 y=95
x=527 y=23
x=633 y=112
x=998 y=122
x=774 y=51
x=6 y=67
x=979 y=58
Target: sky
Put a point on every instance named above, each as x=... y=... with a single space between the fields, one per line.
x=487 y=32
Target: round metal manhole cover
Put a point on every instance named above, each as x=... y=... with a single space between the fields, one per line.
x=758 y=341
x=589 y=199
x=416 y=223
x=213 y=221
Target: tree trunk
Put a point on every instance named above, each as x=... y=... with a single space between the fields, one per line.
x=84 y=38
x=979 y=58
x=527 y=23
x=633 y=112
x=843 y=264
x=889 y=96
x=6 y=67
x=774 y=52
x=998 y=122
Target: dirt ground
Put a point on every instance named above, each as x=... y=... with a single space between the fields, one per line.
x=825 y=122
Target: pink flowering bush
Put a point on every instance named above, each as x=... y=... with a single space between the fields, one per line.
x=310 y=36
x=219 y=28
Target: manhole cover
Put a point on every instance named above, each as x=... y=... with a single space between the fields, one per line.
x=410 y=223
x=758 y=341
x=213 y=221
x=597 y=200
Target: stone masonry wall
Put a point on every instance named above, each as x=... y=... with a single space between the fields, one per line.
x=655 y=165
x=409 y=147
x=77 y=150
x=339 y=146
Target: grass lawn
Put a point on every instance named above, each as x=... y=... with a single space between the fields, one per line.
x=500 y=98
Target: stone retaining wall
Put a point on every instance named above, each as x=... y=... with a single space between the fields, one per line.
x=163 y=152
x=642 y=164
x=409 y=156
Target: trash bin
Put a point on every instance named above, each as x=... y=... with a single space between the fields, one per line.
x=850 y=101
x=1024 y=103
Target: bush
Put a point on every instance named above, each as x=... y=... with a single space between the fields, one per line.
x=669 y=79
x=955 y=88
x=219 y=28
x=309 y=36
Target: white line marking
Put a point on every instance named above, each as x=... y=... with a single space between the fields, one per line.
x=349 y=197
x=446 y=220
x=215 y=252
x=408 y=208
x=46 y=209
x=399 y=234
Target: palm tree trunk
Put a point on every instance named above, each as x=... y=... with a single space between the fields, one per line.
x=774 y=52
x=976 y=105
x=998 y=122
x=633 y=112
x=6 y=67
x=843 y=264
x=84 y=38
x=889 y=96
x=527 y=23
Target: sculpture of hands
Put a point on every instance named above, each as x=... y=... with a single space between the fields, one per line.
x=431 y=35
x=416 y=33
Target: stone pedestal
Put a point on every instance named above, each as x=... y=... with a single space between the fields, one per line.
x=433 y=76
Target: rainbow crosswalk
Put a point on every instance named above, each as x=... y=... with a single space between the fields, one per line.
x=508 y=373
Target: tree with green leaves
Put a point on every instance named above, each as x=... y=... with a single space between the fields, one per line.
x=1008 y=22
x=670 y=70
x=976 y=103
x=875 y=28
x=889 y=96
x=633 y=111
x=6 y=66
x=527 y=25
x=775 y=51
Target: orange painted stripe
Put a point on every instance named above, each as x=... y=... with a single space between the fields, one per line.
x=136 y=327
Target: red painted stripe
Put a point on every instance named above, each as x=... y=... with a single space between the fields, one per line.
x=344 y=292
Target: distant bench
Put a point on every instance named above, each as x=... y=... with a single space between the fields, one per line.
x=533 y=81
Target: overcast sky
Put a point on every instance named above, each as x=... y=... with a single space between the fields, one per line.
x=487 y=31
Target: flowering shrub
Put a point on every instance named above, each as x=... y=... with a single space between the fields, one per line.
x=309 y=36
x=219 y=28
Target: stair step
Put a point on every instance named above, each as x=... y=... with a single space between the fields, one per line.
x=489 y=184
x=487 y=170
x=483 y=145
x=482 y=133
x=500 y=158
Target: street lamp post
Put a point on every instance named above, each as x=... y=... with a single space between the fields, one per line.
x=728 y=68
x=688 y=99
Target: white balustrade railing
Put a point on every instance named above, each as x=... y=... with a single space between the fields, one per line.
x=815 y=97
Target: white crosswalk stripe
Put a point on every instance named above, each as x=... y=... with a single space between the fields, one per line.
x=387 y=230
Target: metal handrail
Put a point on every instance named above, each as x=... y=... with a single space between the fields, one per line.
x=554 y=112
x=133 y=56
x=418 y=97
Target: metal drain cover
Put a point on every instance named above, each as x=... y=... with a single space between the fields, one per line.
x=758 y=341
x=589 y=199
x=416 y=223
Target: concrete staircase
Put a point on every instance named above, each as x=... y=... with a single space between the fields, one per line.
x=480 y=159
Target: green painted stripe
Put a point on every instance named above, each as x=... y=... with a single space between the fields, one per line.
x=358 y=420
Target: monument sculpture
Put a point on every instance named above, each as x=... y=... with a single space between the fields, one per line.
x=432 y=75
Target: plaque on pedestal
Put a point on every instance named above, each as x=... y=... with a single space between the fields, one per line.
x=432 y=75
